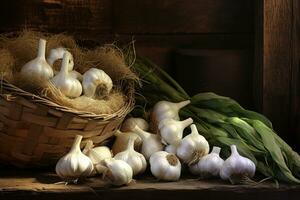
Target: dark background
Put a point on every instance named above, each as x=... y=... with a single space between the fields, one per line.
x=245 y=49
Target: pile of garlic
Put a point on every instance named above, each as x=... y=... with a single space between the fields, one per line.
x=94 y=83
x=136 y=148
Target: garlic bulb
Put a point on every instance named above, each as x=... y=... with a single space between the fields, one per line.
x=136 y=160
x=58 y=53
x=74 y=164
x=118 y=172
x=68 y=85
x=209 y=165
x=38 y=67
x=96 y=83
x=237 y=167
x=171 y=148
x=129 y=124
x=122 y=139
x=151 y=142
x=171 y=130
x=97 y=155
x=167 y=110
x=165 y=166
x=192 y=147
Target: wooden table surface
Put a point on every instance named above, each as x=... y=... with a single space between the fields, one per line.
x=25 y=184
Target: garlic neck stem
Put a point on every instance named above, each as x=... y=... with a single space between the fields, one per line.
x=118 y=133
x=233 y=149
x=42 y=48
x=76 y=143
x=144 y=135
x=65 y=63
x=194 y=130
x=185 y=123
x=216 y=150
x=182 y=104
x=130 y=145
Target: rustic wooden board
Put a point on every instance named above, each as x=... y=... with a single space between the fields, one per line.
x=180 y=16
x=18 y=184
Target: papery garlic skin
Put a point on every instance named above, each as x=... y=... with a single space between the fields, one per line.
x=38 y=67
x=136 y=160
x=129 y=124
x=192 y=147
x=118 y=172
x=237 y=167
x=74 y=164
x=97 y=155
x=151 y=142
x=165 y=166
x=68 y=85
x=167 y=110
x=171 y=131
x=58 y=53
x=209 y=165
x=122 y=140
x=96 y=83
x=171 y=148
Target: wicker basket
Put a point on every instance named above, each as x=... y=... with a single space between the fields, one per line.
x=37 y=132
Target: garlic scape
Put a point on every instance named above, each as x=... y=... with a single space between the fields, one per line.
x=165 y=166
x=167 y=110
x=136 y=160
x=38 y=67
x=129 y=124
x=209 y=165
x=151 y=142
x=192 y=147
x=117 y=172
x=122 y=140
x=236 y=168
x=75 y=164
x=96 y=83
x=97 y=155
x=68 y=85
x=171 y=130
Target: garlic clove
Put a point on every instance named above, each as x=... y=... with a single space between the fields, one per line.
x=171 y=130
x=209 y=165
x=136 y=160
x=122 y=139
x=236 y=167
x=74 y=164
x=165 y=166
x=129 y=124
x=151 y=142
x=118 y=172
x=192 y=147
x=38 y=67
x=96 y=83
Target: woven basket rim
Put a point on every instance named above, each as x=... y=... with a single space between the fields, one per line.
x=16 y=91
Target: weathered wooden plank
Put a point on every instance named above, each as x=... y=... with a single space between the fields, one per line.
x=181 y=16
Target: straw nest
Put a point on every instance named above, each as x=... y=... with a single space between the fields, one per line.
x=18 y=49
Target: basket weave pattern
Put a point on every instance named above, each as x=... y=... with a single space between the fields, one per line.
x=36 y=132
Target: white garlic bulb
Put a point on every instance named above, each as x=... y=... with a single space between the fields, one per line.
x=96 y=83
x=151 y=142
x=237 y=167
x=74 y=164
x=68 y=85
x=165 y=166
x=136 y=160
x=122 y=139
x=171 y=148
x=58 y=53
x=192 y=147
x=171 y=131
x=129 y=124
x=97 y=155
x=209 y=165
x=118 y=172
x=38 y=67
x=167 y=110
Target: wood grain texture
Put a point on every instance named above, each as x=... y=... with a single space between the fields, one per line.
x=181 y=16
x=40 y=185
